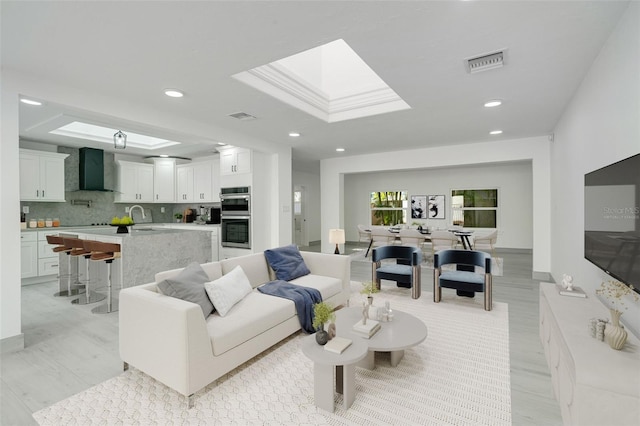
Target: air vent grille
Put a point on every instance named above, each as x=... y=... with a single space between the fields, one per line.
x=486 y=62
x=242 y=116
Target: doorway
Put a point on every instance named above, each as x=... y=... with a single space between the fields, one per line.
x=301 y=237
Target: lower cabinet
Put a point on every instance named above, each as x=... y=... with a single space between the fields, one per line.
x=28 y=255
x=594 y=384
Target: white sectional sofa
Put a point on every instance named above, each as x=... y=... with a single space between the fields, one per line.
x=170 y=340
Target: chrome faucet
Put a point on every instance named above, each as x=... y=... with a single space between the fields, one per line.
x=133 y=207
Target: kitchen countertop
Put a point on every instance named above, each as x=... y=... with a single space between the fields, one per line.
x=111 y=230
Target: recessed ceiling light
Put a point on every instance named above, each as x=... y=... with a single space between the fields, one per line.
x=495 y=132
x=164 y=155
x=221 y=144
x=174 y=93
x=493 y=103
x=294 y=134
x=30 y=102
x=340 y=149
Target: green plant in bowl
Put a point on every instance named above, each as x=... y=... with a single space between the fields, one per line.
x=322 y=313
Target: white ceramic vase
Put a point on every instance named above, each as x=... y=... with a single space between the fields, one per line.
x=614 y=334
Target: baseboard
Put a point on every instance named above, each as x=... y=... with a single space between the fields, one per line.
x=12 y=344
x=542 y=276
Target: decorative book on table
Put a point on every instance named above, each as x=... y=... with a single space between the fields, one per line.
x=337 y=345
x=367 y=330
x=575 y=292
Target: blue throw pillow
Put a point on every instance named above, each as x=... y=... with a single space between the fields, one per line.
x=287 y=262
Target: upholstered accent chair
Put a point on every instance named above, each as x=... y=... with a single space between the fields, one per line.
x=405 y=272
x=464 y=279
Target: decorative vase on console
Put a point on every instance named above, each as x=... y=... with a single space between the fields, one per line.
x=614 y=334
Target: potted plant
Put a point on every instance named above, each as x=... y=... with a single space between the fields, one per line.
x=322 y=313
x=368 y=288
x=178 y=217
x=615 y=292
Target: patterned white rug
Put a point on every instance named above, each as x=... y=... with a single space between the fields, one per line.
x=458 y=376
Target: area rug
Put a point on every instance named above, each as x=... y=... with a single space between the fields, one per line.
x=497 y=263
x=458 y=376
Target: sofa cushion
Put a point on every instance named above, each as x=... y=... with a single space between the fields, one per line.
x=212 y=269
x=327 y=286
x=189 y=285
x=287 y=262
x=253 y=315
x=254 y=266
x=228 y=290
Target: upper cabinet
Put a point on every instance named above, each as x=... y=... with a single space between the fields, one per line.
x=197 y=182
x=134 y=182
x=164 y=180
x=41 y=176
x=235 y=160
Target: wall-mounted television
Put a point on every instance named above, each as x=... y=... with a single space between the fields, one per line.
x=612 y=220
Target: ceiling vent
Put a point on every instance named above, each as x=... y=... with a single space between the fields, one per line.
x=242 y=116
x=486 y=62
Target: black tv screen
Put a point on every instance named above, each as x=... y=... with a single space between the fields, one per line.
x=612 y=220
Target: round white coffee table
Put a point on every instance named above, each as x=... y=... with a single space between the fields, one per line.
x=404 y=332
x=324 y=364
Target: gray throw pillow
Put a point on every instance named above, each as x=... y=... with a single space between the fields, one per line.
x=287 y=262
x=189 y=285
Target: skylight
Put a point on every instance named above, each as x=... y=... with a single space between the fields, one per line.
x=92 y=132
x=330 y=82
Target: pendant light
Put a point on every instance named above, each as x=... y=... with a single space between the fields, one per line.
x=119 y=140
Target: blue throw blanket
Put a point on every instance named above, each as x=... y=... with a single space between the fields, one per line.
x=303 y=297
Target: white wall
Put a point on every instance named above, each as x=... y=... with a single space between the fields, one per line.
x=15 y=84
x=311 y=183
x=513 y=181
x=600 y=126
x=535 y=150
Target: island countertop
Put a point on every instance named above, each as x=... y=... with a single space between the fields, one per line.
x=146 y=251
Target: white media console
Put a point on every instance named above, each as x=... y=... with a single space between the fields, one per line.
x=594 y=384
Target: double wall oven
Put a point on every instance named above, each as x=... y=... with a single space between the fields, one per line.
x=235 y=218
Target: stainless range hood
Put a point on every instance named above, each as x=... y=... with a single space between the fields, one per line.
x=92 y=169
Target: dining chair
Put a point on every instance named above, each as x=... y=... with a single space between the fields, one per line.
x=381 y=236
x=442 y=240
x=364 y=234
x=412 y=238
x=486 y=242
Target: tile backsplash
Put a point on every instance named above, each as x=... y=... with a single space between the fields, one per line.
x=103 y=208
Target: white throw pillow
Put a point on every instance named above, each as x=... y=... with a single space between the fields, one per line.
x=228 y=290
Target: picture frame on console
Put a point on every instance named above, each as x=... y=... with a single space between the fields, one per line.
x=436 y=207
x=418 y=207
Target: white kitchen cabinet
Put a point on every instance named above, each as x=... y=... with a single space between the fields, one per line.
x=235 y=160
x=134 y=182
x=28 y=254
x=184 y=183
x=41 y=176
x=195 y=182
x=164 y=180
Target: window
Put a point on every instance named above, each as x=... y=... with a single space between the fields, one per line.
x=389 y=208
x=475 y=208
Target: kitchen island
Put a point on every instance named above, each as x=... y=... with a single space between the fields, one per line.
x=144 y=252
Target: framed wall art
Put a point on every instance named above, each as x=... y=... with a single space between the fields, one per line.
x=419 y=207
x=436 y=207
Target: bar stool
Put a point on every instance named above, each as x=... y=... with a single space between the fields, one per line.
x=62 y=248
x=104 y=252
x=78 y=249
